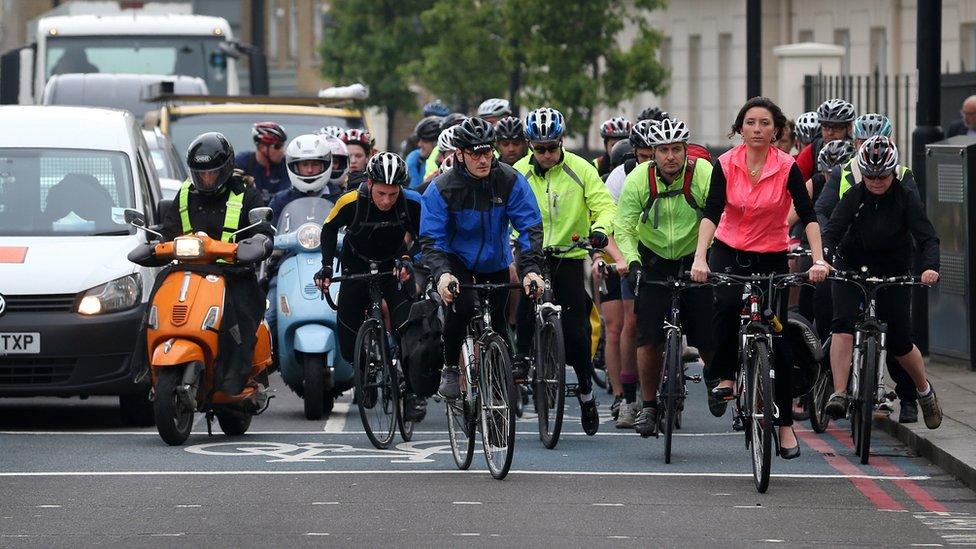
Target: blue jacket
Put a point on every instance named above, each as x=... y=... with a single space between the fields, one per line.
x=415 y=167
x=270 y=181
x=471 y=219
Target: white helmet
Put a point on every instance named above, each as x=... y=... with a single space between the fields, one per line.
x=494 y=107
x=445 y=142
x=669 y=130
x=334 y=131
x=308 y=147
x=340 y=159
x=447 y=163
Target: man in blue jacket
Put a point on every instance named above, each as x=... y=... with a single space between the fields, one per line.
x=466 y=214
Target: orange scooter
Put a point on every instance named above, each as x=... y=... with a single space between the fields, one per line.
x=183 y=327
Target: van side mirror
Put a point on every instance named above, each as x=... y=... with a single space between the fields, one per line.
x=134 y=217
x=258 y=215
x=162 y=207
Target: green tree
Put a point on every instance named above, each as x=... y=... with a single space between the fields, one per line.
x=574 y=62
x=372 y=42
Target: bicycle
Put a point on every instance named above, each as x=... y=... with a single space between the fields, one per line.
x=378 y=386
x=486 y=390
x=866 y=383
x=814 y=401
x=755 y=401
x=673 y=391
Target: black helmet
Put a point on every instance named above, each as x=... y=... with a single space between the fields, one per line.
x=428 y=128
x=510 y=128
x=387 y=168
x=652 y=113
x=474 y=134
x=452 y=119
x=210 y=152
x=621 y=152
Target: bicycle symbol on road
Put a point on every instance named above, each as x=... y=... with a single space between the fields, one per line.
x=283 y=452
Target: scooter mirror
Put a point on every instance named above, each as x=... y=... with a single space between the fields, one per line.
x=135 y=217
x=258 y=215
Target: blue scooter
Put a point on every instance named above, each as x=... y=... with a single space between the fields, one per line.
x=307 y=347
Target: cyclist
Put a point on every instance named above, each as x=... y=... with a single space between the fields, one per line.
x=444 y=156
x=787 y=141
x=426 y=131
x=464 y=229
x=836 y=122
x=378 y=216
x=873 y=226
x=332 y=131
x=433 y=161
x=652 y=113
x=436 y=108
x=360 y=144
x=266 y=162
x=511 y=146
x=612 y=131
x=745 y=212
x=807 y=130
x=308 y=159
x=573 y=201
x=494 y=109
x=658 y=233
x=340 y=165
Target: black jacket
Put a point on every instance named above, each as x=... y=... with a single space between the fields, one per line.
x=876 y=231
x=956 y=127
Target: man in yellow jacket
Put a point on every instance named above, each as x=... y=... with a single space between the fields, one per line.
x=574 y=202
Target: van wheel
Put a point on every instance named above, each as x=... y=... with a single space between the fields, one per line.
x=313 y=370
x=136 y=409
x=234 y=424
x=173 y=419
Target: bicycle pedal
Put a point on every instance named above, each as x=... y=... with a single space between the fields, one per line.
x=572 y=390
x=694 y=378
x=737 y=424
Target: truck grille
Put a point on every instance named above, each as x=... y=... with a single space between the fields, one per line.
x=23 y=370
x=54 y=303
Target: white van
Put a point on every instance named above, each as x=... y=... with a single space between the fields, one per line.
x=70 y=302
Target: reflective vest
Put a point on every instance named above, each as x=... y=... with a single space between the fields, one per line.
x=232 y=217
x=847 y=177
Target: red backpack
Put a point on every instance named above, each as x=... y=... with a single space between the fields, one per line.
x=685 y=187
x=698 y=151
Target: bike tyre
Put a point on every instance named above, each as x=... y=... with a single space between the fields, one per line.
x=495 y=406
x=386 y=394
x=867 y=398
x=550 y=381
x=673 y=384
x=761 y=402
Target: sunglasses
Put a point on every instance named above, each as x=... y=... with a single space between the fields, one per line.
x=834 y=126
x=543 y=149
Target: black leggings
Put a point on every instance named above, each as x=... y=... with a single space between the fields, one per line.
x=726 y=320
x=569 y=290
x=458 y=315
x=354 y=300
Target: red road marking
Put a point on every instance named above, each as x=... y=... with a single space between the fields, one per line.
x=868 y=487
x=911 y=488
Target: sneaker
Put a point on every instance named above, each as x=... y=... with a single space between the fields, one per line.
x=450 y=387
x=615 y=407
x=414 y=408
x=626 y=418
x=908 y=412
x=646 y=422
x=888 y=406
x=836 y=407
x=715 y=406
x=931 y=410
x=590 y=417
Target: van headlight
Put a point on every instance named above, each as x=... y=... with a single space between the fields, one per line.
x=117 y=295
x=188 y=247
x=310 y=236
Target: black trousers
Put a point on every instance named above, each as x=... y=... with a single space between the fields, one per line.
x=458 y=315
x=569 y=291
x=354 y=300
x=726 y=319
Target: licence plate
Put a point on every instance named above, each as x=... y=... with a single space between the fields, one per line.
x=22 y=343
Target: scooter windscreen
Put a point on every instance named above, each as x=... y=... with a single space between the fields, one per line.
x=301 y=212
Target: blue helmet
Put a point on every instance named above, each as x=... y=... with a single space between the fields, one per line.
x=436 y=108
x=544 y=124
x=870 y=125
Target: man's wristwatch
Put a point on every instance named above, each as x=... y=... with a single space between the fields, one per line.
x=820 y=262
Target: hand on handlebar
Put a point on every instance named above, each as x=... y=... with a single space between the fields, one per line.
x=528 y=286
x=819 y=273
x=402 y=270
x=598 y=239
x=323 y=278
x=699 y=270
x=633 y=272
x=929 y=276
x=447 y=285
x=599 y=269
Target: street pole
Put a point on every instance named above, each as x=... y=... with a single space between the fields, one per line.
x=753 y=48
x=928 y=54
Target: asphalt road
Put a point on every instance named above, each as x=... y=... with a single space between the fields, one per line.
x=71 y=475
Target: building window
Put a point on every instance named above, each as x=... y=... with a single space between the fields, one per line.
x=694 y=81
x=842 y=37
x=967 y=47
x=293 y=29
x=319 y=11
x=272 y=21
x=879 y=50
x=805 y=35
x=665 y=58
x=724 y=76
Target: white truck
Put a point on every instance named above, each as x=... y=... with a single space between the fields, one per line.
x=128 y=42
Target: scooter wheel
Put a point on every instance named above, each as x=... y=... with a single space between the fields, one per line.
x=234 y=424
x=173 y=419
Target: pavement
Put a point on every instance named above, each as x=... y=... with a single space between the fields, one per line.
x=953 y=445
x=72 y=476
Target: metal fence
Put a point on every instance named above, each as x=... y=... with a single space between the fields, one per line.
x=891 y=95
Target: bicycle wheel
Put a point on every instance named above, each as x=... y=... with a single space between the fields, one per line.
x=671 y=388
x=497 y=415
x=406 y=427
x=599 y=360
x=866 y=399
x=817 y=398
x=376 y=385
x=761 y=406
x=460 y=430
x=550 y=381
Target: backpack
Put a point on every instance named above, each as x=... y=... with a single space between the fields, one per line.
x=698 y=151
x=420 y=346
x=685 y=190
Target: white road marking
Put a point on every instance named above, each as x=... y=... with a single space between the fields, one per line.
x=336 y=421
x=335 y=429
x=608 y=504
x=619 y=537
x=466 y=503
x=946 y=525
x=318 y=534
x=189 y=506
x=48 y=506
x=451 y=472
x=325 y=503
x=468 y=534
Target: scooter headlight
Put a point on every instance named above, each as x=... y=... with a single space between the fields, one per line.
x=188 y=247
x=310 y=236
